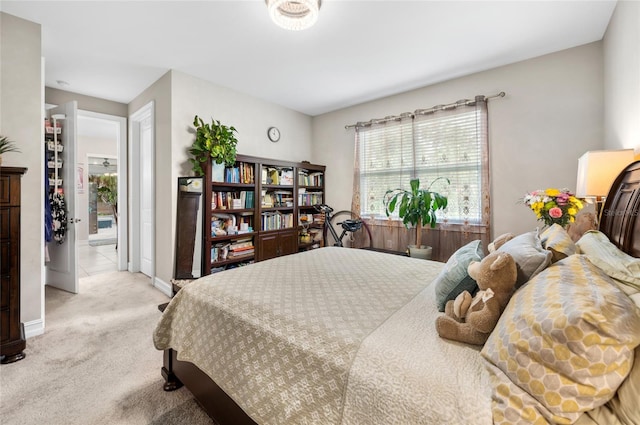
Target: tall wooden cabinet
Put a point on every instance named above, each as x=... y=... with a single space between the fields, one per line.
x=252 y=210
x=12 y=340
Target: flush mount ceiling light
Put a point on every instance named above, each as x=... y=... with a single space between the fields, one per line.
x=294 y=15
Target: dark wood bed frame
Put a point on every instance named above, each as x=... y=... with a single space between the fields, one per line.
x=618 y=220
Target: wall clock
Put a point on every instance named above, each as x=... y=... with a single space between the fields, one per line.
x=274 y=134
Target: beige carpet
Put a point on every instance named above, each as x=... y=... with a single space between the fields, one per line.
x=95 y=363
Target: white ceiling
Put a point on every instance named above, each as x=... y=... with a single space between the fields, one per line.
x=357 y=51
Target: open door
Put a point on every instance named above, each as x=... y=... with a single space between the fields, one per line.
x=62 y=269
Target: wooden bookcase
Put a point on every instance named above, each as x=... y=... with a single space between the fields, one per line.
x=12 y=339
x=251 y=211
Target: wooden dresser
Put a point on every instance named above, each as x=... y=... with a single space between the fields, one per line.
x=12 y=340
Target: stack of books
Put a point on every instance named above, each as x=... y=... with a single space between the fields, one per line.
x=241 y=248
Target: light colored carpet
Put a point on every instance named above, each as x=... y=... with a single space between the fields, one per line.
x=95 y=363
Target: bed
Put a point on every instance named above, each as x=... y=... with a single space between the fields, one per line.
x=347 y=336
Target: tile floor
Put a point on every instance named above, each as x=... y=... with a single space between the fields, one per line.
x=97 y=259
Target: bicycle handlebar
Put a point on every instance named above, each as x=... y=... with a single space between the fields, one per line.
x=323 y=208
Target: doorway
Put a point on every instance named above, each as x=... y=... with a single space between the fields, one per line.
x=101 y=165
x=103 y=200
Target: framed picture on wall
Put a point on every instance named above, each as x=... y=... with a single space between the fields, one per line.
x=80 y=180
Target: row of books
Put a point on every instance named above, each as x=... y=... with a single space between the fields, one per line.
x=242 y=172
x=277 y=176
x=306 y=199
x=310 y=179
x=223 y=224
x=241 y=248
x=276 y=220
x=277 y=198
x=232 y=200
x=232 y=250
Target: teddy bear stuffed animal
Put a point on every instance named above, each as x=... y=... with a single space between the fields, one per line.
x=499 y=241
x=471 y=319
x=584 y=221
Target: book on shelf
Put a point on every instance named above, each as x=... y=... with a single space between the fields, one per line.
x=308 y=198
x=276 y=220
x=306 y=178
x=281 y=198
x=274 y=176
x=281 y=176
x=286 y=177
x=232 y=200
x=241 y=172
x=267 y=199
x=243 y=246
x=244 y=253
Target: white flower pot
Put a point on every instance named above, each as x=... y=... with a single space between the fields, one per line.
x=423 y=252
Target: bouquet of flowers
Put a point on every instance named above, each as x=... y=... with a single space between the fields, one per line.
x=553 y=205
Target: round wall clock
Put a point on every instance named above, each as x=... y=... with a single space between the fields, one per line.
x=274 y=134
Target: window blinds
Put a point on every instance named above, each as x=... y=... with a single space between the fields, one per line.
x=447 y=143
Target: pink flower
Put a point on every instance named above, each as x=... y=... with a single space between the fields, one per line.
x=555 y=212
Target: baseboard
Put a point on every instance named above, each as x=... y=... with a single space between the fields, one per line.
x=162 y=286
x=33 y=328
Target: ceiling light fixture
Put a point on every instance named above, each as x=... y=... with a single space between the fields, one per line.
x=294 y=15
x=106 y=163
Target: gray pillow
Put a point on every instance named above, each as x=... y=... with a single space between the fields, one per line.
x=531 y=257
x=454 y=279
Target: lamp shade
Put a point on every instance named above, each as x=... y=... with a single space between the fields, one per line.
x=598 y=169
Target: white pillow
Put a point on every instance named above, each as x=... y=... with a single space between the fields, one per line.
x=531 y=257
x=618 y=265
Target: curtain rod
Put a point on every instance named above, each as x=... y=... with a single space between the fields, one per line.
x=420 y=112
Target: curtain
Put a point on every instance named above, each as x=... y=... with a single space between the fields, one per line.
x=449 y=141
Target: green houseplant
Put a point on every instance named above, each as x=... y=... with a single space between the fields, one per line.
x=416 y=207
x=108 y=191
x=7 y=145
x=213 y=141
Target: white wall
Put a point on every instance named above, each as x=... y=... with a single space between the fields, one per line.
x=160 y=93
x=189 y=96
x=552 y=114
x=85 y=103
x=21 y=116
x=622 y=78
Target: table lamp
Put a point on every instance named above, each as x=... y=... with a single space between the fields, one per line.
x=596 y=172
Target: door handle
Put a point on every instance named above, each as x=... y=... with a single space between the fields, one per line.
x=75 y=220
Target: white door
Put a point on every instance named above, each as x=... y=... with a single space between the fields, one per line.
x=147 y=188
x=62 y=269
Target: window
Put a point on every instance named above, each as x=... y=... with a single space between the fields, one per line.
x=441 y=142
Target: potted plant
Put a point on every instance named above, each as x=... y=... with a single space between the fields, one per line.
x=416 y=207
x=213 y=141
x=108 y=191
x=7 y=145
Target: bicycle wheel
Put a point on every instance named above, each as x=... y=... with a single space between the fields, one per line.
x=358 y=239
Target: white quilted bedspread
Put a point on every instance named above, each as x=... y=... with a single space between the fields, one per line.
x=328 y=336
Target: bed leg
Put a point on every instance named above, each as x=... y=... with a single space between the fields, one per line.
x=172 y=382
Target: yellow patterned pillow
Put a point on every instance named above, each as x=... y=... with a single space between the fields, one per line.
x=556 y=239
x=563 y=345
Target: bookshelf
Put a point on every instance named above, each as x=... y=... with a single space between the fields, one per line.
x=310 y=192
x=252 y=211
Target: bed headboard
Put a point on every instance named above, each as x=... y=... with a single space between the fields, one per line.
x=619 y=217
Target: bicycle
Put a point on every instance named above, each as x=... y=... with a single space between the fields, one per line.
x=349 y=226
